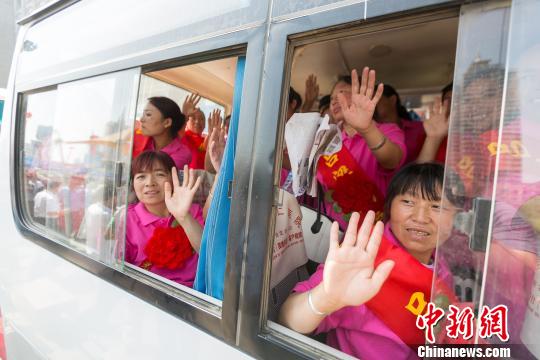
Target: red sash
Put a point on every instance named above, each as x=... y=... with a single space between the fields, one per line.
x=405 y=293
x=196 y=144
x=348 y=186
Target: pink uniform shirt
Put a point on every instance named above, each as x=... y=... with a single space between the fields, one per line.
x=365 y=159
x=356 y=330
x=139 y=229
x=178 y=151
x=414 y=138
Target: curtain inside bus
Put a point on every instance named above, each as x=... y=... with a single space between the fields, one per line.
x=213 y=252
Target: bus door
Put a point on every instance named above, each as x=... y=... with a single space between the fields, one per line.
x=493 y=166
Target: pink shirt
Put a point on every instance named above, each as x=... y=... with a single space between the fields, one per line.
x=364 y=157
x=414 y=138
x=178 y=151
x=357 y=331
x=140 y=227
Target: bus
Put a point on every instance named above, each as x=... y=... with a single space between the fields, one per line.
x=79 y=83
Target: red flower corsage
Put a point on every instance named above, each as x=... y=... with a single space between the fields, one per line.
x=167 y=248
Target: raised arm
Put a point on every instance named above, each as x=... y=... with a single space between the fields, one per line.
x=179 y=199
x=214 y=123
x=359 y=115
x=311 y=93
x=215 y=152
x=190 y=103
x=436 y=128
x=349 y=277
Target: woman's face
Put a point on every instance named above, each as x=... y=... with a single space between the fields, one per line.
x=152 y=121
x=335 y=109
x=148 y=185
x=417 y=223
x=196 y=122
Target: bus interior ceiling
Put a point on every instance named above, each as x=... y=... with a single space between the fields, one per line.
x=213 y=80
x=417 y=60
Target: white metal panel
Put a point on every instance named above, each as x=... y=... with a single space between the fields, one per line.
x=89 y=31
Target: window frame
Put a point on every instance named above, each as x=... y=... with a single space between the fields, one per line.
x=254 y=332
x=218 y=321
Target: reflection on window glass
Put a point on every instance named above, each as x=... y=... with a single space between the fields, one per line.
x=494 y=267
x=367 y=162
x=72 y=143
x=169 y=204
x=513 y=252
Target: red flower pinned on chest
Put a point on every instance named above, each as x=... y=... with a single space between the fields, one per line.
x=167 y=248
x=352 y=197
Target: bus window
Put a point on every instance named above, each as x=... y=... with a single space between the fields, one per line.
x=180 y=123
x=72 y=142
x=494 y=148
x=336 y=161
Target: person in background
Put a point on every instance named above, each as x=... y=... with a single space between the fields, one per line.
x=436 y=129
x=164 y=227
x=47 y=205
x=324 y=105
x=161 y=121
x=295 y=103
x=194 y=138
x=356 y=178
x=359 y=296
x=390 y=110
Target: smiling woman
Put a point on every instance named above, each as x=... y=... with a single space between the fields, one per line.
x=163 y=231
x=361 y=320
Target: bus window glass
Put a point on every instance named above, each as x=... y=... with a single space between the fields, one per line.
x=72 y=145
x=167 y=234
x=347 y=151
x=478 y=100
x=513 y=275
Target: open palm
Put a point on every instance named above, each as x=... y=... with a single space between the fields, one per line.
x=349 y=277
x=190 y=103
x=359 y=112
x=218 y=141
x=179 y=198
x=437 y=123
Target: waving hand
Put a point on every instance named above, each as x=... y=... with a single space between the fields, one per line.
x=364 y=99
x=180 y=197
x=349 y=276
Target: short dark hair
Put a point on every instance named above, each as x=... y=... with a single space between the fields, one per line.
x=426 y=180
x=389 y=91
x=145 y=162
x=169 y=109
x=324 y=102
x=293 y=95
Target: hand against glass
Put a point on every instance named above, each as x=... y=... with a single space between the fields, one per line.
x=364 y=99
x=179 y=199
x=311 y=94
x=218 y=140
x=190 y=103
x=349 y=277
x=436 y=125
